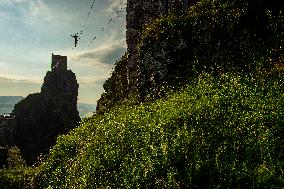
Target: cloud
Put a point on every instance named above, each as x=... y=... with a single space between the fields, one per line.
x=91 y=79
x=105 y=54
x=38 y=12
x=12 y=1
x=39 y=8
x=115 y=5
x=19 y=79
x=29 y=11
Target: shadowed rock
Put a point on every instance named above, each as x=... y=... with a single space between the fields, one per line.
x=42 y=117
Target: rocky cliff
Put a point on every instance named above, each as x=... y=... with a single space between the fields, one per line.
x=116 y=87
x=171 y=42
x=139 y=14
x=7 y=130
x=41 y=117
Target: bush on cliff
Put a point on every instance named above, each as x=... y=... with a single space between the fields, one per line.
x=16 y=175
x=222 y=132
x=214 y=36
x=116 y=87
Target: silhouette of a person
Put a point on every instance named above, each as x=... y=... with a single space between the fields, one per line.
x=76 y=37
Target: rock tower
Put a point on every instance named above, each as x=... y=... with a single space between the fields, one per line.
x=58 y=62
x=42 y=117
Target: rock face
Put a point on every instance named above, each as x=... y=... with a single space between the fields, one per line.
x=41 y=117
x=116 y=87
x=130 y=75
x=3 y=157
x=165 y=62
x=7 y=130
x=139 y=13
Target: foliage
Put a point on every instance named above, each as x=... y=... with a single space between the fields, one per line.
x=218 y=132
x=17 y=175
x=15 y=159
x=116 y=87
x=223 y=129
x=16 y=178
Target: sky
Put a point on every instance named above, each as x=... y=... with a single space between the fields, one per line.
x=31 y=30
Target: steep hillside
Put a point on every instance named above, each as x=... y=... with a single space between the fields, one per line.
x=224 y=132
x=216 y=37
x=209 y=113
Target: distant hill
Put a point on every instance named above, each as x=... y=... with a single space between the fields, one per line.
x=7 y=103
x=86 y=110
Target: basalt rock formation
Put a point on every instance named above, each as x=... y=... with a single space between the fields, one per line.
x=42 y=117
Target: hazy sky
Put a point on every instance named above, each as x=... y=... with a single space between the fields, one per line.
x=30 y=30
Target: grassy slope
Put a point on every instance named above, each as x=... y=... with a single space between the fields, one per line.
x=216 y=133
x=224 y=132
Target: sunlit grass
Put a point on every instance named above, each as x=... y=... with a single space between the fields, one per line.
x=215 y=133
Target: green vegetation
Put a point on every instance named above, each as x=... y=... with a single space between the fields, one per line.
x=116 y=87
x=222 y=127
x=16 y=175
x=214 y=36
x=222 y=132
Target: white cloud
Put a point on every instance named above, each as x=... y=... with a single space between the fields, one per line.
x=19 y=79
x=13 y=1
x=39 y=13
x=32 y=11
x=15 y=77
x=39 y=8
x=91 y=79
x=115 y=5
x=105 y=54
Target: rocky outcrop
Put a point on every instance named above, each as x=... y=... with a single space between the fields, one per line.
x=130 y=74
x=3 y=157
x=116 y=87
x=165 y=62
x=139 y=14
x=175 y=49
x=7 y=130
x=41 y=117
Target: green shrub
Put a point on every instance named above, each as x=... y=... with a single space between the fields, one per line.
x=17 y=175
x=116 y=87
x=218 y=132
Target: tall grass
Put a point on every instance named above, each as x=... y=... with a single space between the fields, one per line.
x=224 y=132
